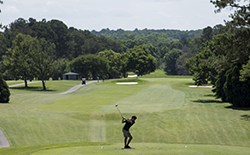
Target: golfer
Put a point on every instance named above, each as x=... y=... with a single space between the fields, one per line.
x=125 y=130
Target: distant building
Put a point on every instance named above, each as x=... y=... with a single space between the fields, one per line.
x=71 y=76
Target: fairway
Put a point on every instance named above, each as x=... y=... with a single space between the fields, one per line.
x=170 y=114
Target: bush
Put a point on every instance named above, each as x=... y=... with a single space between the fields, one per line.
x=230 y=89
x=4 y=91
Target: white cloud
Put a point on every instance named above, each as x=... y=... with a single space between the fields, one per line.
x=113 y=14
x=11 y=9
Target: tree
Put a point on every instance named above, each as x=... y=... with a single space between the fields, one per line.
x=177 y=45
x=170 y=61
x=4 y=91
x=228 y=56
x=43 y=62
x=240 y=17
x=3 y=47
x=231 y=89
x=62 y=67
x=89 y=64
x=207 y=34
x=42 y=29
x=61 y=37
x=113 y=60
x=202 y=66
x=123 y=58
x=139 y=58
x=245 y=72
x=19 y=58
x=20 y=26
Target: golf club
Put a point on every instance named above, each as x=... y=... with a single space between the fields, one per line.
x=119 y=110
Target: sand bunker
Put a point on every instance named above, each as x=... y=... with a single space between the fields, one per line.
x=127 y=83
x=201 y=86
x=132 y=75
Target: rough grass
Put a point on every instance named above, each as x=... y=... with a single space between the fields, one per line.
x=170 y=116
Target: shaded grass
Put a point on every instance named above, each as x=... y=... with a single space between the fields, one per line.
x=29 y=88
x=207 y=101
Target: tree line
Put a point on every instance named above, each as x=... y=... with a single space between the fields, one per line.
x=169 y=52
x=224 y=60
x=69 y=43
x=171 y=48
x=42 y=49
x=123 y=34
x=31 y=57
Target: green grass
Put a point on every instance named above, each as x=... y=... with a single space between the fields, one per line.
x=170 y=116
x=13 y=82
x=115 y=148
x=161 y=74
x=51 y=86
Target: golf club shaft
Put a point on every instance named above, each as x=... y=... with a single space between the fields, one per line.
x=119 y=111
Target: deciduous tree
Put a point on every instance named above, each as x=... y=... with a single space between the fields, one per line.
x=113 y=60
x=241 y=16
x=19 y=58
x=139 y=58
x=170 y=61
x=43 y=62
x=89 y=64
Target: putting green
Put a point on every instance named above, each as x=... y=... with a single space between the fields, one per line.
x=149 y=149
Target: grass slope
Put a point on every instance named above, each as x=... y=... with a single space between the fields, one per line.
x=170 y=114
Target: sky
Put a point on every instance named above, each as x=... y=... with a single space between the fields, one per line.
x=116 y=14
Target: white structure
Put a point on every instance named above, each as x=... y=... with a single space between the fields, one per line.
x=71 y=76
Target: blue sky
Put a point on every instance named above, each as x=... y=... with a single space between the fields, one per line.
x=115 y=14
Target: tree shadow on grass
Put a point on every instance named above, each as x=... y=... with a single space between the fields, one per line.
x=209 y=95
x=207 y=101
x=245 y=117
x=238 y=108
x=31 y=89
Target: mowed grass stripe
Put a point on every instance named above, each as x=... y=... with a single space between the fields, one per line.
x=154 y=98
x=93 y=100
x=98 y=131
x=45 y=128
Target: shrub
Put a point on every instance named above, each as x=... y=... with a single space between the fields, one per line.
x=4 y=91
